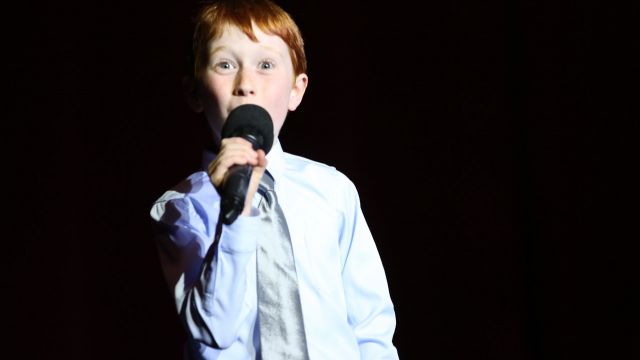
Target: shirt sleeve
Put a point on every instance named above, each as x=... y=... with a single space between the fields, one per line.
x=213 y=290
x=370 y=310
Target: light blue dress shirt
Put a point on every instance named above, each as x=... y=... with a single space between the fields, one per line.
x=347 y=310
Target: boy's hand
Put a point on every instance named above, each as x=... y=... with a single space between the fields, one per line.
x=238 y=151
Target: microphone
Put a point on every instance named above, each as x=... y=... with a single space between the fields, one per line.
x=254 y=124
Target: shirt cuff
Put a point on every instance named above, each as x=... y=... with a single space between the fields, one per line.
x=241 y=236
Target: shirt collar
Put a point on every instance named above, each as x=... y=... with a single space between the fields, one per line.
x=275 y=159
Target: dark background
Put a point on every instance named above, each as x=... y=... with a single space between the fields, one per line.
x=491 y=142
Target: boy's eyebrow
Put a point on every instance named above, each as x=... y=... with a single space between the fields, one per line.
x=271 y=49
x=216 y=49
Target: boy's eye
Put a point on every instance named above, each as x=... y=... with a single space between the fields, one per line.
x=224 y=65
x=266 y=65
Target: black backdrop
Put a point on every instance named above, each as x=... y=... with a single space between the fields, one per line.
x=491 y=142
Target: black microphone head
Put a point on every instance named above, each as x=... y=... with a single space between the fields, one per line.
x=251 y=122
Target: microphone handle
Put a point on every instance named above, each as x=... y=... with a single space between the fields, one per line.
x=234 y=192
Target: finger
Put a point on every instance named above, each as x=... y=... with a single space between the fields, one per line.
x=231 y=156
x=235 y=141
x=237 y=154
x=226 y=162
x=261 y=158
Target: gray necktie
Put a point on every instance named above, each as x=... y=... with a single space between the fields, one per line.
x=279 y=310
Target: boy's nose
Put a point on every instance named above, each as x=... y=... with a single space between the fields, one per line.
x=244 y=86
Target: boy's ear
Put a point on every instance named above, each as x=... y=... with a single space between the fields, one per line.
x=297 y=92
x=189 y=87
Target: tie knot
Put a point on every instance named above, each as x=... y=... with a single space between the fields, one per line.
x=267 y=190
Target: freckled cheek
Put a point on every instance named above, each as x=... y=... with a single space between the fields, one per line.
x=280 y=99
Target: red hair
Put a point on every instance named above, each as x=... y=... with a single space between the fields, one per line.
x=269 y=17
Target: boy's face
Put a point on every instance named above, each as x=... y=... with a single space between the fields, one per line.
x=241 y=71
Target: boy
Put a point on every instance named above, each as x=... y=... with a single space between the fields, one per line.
x=251 y=52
